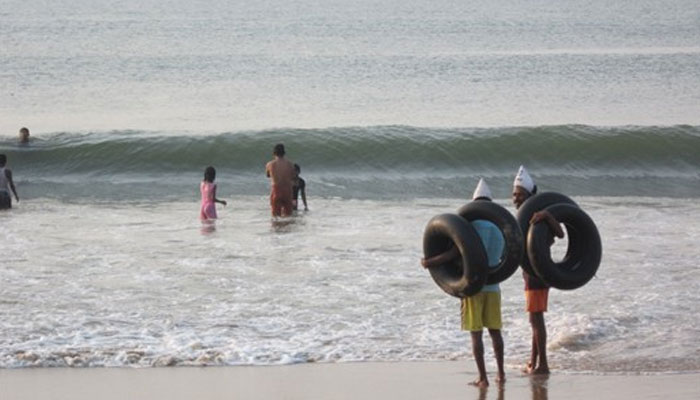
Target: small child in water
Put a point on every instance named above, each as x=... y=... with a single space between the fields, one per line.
x=298 y=186
x=209 y=200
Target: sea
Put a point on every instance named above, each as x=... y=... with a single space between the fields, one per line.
x=394 y=110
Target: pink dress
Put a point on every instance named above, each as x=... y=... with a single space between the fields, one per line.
x=208 y=210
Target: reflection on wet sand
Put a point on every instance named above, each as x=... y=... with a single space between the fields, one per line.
x=483 y=391
x=538 y=385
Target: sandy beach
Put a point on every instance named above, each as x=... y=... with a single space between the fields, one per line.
x=403 y=380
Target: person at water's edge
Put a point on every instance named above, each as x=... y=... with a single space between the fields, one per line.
x=482 y=309
x=536 y=291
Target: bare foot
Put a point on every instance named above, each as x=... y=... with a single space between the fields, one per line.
x=528 y=368
x=480 y=383
x=501 y=378
x=540 y=371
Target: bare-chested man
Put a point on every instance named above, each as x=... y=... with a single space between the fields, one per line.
x=281 y=173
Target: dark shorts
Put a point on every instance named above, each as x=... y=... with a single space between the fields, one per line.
x=5 y=200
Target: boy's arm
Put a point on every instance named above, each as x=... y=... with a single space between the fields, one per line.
x=553 y=224
x=8 y=174
x=440 y=258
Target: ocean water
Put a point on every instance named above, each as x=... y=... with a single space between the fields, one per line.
x=144 y=284
x=394 y=110
x=219 y=66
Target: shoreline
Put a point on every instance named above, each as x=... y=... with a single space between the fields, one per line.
x=362 y=380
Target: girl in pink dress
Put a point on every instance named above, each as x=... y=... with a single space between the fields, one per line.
x=209 y=200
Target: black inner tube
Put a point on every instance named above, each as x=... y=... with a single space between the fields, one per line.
x=512 y=235
x=583 y=254
x=466 y=275
x=537 y=202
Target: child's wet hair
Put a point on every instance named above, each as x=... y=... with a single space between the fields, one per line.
x=209 y=174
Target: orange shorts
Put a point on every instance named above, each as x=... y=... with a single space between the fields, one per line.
x=281 y=201
x=536 y=300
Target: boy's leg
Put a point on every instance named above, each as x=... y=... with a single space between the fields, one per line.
x=492 y=321
x=533 y=351
x=539 y=341
x=497 y=341
x=472 y=311
x=536 y=305
x=478 y=351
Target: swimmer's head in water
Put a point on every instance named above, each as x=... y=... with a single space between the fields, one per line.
x=24 y=135
x=278 y=150
x=209 y=174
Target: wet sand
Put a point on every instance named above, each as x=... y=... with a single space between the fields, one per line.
x=404 y=380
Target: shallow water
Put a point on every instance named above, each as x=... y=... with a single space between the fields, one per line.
x=143 y=284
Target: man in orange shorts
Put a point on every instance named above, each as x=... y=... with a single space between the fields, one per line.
x=536 y=291
x=281 y=173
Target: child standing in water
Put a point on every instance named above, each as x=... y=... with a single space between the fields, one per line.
x=299 y=186
x=209 y=200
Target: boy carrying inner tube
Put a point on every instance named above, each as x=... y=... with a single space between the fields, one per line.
x=484 y=308
x=536 y=291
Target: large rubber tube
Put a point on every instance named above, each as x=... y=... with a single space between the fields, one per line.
x=513 y=236
x=532 y=205
x=583 y=253
x=465 y=275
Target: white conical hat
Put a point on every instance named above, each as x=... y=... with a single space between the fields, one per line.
x=524 y=180
x=482 y=190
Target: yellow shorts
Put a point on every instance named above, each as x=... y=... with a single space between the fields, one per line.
x=536 y=300
x=481 y=310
